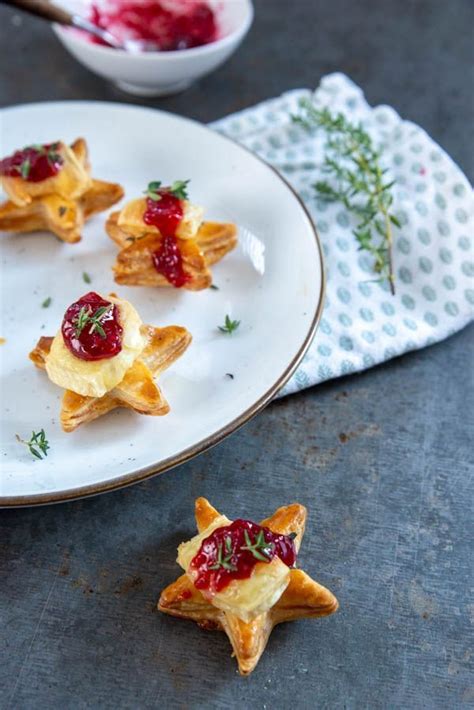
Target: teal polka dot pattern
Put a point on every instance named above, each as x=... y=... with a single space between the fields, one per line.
x=362 y=323
x=449 y=282
x=388 y=308
x=426 y=265
x=429 y=293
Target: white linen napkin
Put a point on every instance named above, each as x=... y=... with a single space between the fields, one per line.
x=362 y=323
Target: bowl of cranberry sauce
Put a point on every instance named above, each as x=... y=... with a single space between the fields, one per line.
x=170 y=43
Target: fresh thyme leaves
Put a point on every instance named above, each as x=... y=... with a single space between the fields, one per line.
x=292 y=535
x=38 y=445
x=222 y=561
x=357 y=181
x=47 y=302
x=25 y=168
x=86 y=278
x=229 y=375
x=152 y=190
x=213 y=287
x=95 y=320
x=229 y=326
x=260 y=549
x=180 y=189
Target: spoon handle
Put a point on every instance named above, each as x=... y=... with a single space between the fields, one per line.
x=44 y=9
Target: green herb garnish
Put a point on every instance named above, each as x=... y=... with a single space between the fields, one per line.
x=38 y=443
x=221 y=561
x=260 y=549
x=213 y=287
x=152 y=190
x=292 y=535
x=229 y=326
x=357 y=181
x=86 y=278
x=180 y=189
x=95 y=320
x=47 y=302
x=25 y=168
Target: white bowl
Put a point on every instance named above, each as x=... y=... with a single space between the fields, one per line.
x=162 y=73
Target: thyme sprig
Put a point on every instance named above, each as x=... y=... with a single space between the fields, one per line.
x=260 y=549
x=85 y=317
x=38 y=443
x=357 y=180
x=179 y=189
x=222 y=561
x=229 y=326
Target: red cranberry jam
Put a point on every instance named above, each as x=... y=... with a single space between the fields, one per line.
x=91 y=328
x=34 y=163
x=180 y=24
x=231 y=552
x=164 y=210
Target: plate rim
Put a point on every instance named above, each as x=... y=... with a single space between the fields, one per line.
x=142 y=474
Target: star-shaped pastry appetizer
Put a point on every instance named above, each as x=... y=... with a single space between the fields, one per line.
x=247 y=607
x=50 y=188
x=93 y=388
x=164 y=242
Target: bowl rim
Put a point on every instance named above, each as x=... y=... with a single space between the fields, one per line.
x=65 y=34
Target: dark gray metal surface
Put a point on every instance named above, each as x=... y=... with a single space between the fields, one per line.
x=382 y=460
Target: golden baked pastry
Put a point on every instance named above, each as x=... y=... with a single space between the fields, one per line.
x=164 y=242
x=291 y=593
x=124 y=379
x=50 y=188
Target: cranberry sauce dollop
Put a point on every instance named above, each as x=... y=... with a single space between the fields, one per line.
x=34 y=163
x=166 y=214
x=223 y=556
x=180 y=24
x=91 y=329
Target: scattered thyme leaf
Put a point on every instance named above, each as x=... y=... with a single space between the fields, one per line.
x=47 y=302
x=357 y=181
x=213 y=287
x=38 y=445
x=229 y=375
x=293 y=535
x=86 y=278
x=229 y=326
x=62 y=210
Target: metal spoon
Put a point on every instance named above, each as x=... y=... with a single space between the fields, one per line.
x=47 y=11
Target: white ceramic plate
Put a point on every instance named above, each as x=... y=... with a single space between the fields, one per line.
x=273 y=283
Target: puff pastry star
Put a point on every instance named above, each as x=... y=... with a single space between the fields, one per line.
x=303 y=597
x=134 y=264
x=137 y=390
x=62 y=214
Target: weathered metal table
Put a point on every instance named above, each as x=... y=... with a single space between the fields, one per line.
x=382 y=460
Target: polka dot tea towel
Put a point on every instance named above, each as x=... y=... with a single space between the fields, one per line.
x=362 y=324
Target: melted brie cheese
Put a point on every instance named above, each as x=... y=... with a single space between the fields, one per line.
x=130 y=219
x=71 y=181
x=96 y=378
x=245 y=598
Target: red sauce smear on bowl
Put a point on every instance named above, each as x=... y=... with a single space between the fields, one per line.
x=34 y=163
x=223 y=555
x=166 y=214
x=170 y=25
x=91 y=329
